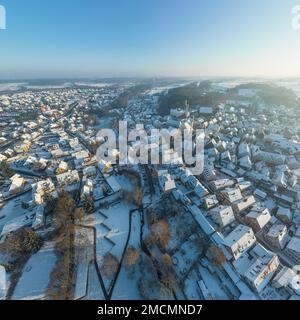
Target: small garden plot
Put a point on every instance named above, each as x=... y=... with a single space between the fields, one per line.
x=186 y=257
x=13 y=209
x=213 y=284
x=182 y=226
x=191 y=287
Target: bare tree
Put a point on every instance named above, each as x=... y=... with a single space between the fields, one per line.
x=110 y=265
x=138 y=196
x=62 y=277
x=89 y=205
x=135 y=196
x=49 y=202
x=132 y=258
x=161 y=232
x=167 y=260
x=170 y=279
x=219 y=258
x=79 y=214
x=64 y=209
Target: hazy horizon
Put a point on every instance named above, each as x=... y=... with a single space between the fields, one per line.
x=192 y=78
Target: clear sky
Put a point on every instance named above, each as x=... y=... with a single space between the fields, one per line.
x=99 y=38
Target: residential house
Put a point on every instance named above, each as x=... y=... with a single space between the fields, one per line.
x=264 y=265
x=243 y=204
x=17 y=184
x=222 y=215
x=284 y=214
x=257 y=219
x=277 y=236
x=240 y=240
x=293 y=249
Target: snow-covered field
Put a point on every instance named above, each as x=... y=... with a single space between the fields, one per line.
x=49 y=87
x=94 y=291
x=126 y=287
x=83 y=259
x=11 y=86
x=112 y=227
x=94 y=85
x=118 y=223
x=36 y=275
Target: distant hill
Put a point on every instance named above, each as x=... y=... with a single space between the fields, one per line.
x=122 y=100
x=270 y=93
x=195 y=93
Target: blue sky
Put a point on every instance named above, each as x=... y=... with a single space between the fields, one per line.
x=99 y=38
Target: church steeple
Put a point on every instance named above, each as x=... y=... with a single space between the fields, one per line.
x=187 y=109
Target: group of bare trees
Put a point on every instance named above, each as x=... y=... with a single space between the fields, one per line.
x=169 y=277
x=5 y=170
x=168 y=281
x=149 y=284
x=131 y=259
x=136 y=195
x=63 y=212
x=65 y=217
x=49 y=202
x=162 y=210
x=20 y=246
x=24 y=241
